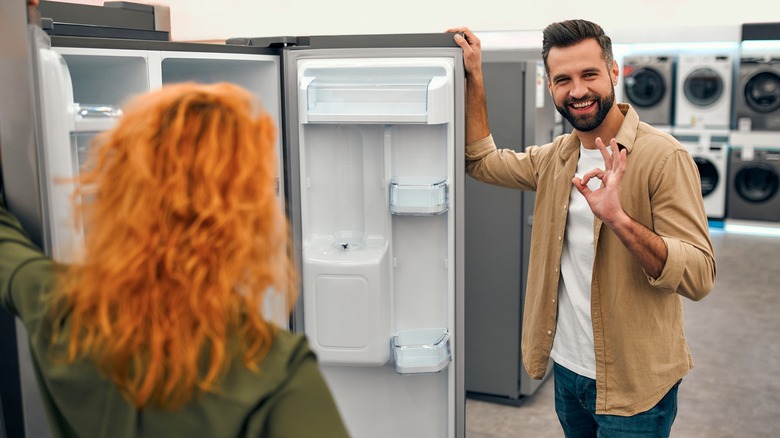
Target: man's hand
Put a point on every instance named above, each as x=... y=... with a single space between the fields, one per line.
x=472 y=49
x=605 y=201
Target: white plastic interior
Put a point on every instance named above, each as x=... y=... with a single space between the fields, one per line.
x=375 y=139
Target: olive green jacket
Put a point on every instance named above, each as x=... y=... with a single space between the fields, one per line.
x=287 y=398
x=640 y=346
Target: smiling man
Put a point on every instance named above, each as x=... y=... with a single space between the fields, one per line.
x=620 y=235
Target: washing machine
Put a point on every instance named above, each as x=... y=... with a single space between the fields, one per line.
x=649 y=87
x=757 y=103
x=703 y=91
x=710 y=152
x=754 y=184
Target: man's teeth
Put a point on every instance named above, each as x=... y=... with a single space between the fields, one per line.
x=582 y=104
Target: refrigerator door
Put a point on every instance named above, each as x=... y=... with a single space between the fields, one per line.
x=375 y=147
x=20 y=406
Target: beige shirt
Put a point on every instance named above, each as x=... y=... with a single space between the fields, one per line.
x=639 y=342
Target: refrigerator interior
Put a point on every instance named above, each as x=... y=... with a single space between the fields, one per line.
x=108 y=78
x=376 y=165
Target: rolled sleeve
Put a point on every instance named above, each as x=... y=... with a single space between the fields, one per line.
x=673 y=271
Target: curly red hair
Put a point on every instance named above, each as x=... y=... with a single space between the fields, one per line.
x=185 y=236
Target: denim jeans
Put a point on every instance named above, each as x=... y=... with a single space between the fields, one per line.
x=575 y=404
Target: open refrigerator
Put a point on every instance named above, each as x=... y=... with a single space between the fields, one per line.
x=370 y=151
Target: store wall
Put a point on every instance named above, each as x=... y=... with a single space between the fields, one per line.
x=646 y=20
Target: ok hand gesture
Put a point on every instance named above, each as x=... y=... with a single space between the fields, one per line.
x=605 y=201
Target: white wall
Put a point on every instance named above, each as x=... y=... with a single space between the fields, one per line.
x=626 y=21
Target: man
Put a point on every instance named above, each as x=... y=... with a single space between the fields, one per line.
x=620 y=235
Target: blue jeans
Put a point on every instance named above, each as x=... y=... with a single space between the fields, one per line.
x=575 y=404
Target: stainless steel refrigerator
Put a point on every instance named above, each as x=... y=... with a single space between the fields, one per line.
x=498 y=230
x=371 y=174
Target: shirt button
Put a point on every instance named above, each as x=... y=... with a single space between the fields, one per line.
x=549 y=332
x=559 y=237
x=553 y=300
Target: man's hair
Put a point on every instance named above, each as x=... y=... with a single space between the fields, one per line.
x=570 y=32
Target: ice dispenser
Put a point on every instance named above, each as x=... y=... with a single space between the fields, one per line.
x=375 y=151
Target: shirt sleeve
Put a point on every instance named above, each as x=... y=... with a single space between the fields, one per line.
x=305 y=407
x=501 y=167
x=25 y=272
x=681 y=221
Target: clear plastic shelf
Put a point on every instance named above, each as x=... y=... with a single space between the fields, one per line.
x=365 y=100
x=95 y=118
x=373 y=91
x=418 y=196
x=421 y=351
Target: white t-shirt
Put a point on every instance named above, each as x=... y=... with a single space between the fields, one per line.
x=573 y=343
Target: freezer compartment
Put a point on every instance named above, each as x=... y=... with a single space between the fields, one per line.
x=347 y=305
x=418 y=196
x=375 y=91
x=421 y=351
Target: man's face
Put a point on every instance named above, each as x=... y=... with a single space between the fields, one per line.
x=582 y=87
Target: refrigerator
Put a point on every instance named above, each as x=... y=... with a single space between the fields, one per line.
x=498 y=230
x=371 y=174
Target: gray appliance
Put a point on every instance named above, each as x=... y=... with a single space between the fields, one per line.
x=22 y=411
x=649 y=87
x=385 y=110
x=754 y=184
x=757 y=102
x=498 y=231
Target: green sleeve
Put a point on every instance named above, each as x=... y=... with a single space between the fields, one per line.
x=305 y=407
x=25 y=272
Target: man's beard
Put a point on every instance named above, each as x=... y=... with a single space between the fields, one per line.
x=588 y=123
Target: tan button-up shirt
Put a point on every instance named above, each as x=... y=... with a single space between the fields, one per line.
x=640 y=347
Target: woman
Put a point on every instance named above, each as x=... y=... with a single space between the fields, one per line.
x=158 y=331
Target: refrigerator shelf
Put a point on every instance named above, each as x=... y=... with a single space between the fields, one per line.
x=421 y=351
x=418 y=196
x=375 y=94
x=95 y=118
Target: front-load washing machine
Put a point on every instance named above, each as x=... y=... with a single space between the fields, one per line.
x=754 y=184
x=703 y=92
x=757 y=102
x=710 y=153
x=649 y=87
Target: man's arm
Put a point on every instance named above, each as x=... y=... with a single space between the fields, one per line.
x=477 y=126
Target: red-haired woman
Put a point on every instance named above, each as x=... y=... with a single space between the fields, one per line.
x=159 y=329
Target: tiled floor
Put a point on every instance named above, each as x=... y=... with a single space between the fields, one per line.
x=734 y=336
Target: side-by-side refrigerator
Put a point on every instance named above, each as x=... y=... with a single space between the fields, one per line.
x=370 y=171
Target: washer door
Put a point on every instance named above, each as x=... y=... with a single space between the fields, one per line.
x=703 y=86
x=762 y=92
x=645 y=87
x=757 y=182
x=708 y=175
